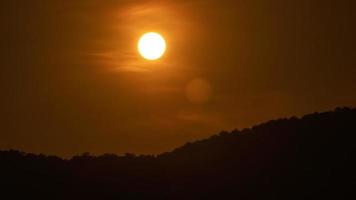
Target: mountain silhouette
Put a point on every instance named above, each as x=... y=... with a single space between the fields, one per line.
x=311 y=157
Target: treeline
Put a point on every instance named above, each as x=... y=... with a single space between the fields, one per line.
x=294 y=158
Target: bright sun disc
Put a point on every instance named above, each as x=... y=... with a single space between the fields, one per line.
x=151 y=46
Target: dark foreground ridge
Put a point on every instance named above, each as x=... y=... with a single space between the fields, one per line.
x=306 y=158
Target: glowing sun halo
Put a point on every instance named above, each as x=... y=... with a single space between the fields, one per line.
x=151 y=46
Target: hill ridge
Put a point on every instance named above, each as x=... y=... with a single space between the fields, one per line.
x=296 y=158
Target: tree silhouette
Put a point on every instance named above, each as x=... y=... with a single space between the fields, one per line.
x=295 y=158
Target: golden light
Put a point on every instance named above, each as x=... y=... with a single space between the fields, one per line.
x=151 y=46
x=198 y=91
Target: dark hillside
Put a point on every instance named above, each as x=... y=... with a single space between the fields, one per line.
x=307 y=158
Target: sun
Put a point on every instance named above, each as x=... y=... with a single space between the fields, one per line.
x=151 y=46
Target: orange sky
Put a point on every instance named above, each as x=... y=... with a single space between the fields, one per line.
x=72 y=80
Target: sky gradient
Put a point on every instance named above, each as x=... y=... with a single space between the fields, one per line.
x=72 y=80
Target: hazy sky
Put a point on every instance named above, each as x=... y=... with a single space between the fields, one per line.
x=72 y=81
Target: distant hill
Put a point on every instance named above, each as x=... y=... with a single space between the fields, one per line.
x=296 y=158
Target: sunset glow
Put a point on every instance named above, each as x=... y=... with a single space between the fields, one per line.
x=152 y=46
